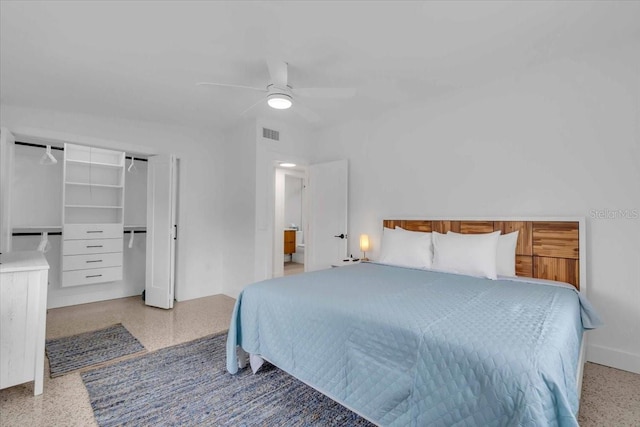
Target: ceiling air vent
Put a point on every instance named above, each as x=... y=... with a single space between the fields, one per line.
x=271 y=134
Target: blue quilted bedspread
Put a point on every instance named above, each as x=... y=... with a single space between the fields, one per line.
x=411 y=347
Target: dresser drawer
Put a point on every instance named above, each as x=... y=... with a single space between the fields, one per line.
x=92 y=231
x=85 y=247
x=93 y=275
x=82 y=262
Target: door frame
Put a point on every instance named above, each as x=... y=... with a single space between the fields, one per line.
x=7 y=159
x=301 y=171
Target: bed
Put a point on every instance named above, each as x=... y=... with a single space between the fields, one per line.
x=405 y=346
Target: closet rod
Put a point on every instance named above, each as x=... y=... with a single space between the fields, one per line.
x=29 y=144
x=135 y=158
x=52 y=233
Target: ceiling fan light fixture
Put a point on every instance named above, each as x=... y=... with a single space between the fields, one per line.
x=279 y=101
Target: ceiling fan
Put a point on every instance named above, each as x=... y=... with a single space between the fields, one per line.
x=280 y=95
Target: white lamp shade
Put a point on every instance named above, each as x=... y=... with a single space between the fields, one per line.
x=364 y=242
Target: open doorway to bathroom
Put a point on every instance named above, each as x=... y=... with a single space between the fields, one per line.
x=294 y=223
x=290 y=218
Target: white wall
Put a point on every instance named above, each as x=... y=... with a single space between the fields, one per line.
x=292 y=201
x=238 y=205
x=200 y=182
x=249 y=197
x=135 y=193
x=561 y=139
x=7 y=148
x=37 y=189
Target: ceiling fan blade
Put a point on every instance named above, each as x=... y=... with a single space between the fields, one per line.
x=278 y=72
x=305 y=113
x=254 y=105
x=325 y=92
x=230 y=85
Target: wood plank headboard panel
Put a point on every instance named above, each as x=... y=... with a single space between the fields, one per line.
x=545 y=250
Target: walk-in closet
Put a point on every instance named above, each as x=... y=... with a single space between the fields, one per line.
x=103 y=228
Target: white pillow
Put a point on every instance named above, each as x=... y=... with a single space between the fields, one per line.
x=423 y=234
x=406 y=249
x=472 y=254
x=506 y=253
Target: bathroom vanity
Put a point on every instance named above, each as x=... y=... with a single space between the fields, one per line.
x=289 y=242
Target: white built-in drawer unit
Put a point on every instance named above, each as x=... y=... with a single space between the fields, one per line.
x=93 y=214
x=93 y=275
x=95 y=246
x=81 y=262
x=92 y=231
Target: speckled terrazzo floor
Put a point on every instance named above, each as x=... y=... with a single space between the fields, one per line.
x=610 y=397
x=65 y=401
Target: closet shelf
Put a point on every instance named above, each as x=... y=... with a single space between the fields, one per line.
x=93 y=207
x=86 y=184
x=99 y=164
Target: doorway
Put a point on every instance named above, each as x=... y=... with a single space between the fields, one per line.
x=294 y=221
x=323 y=221
x=290 y=221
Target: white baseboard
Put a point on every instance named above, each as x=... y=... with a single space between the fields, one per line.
x=612 y=357
x=57 y=301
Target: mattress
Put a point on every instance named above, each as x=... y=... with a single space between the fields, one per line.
x=413 y=347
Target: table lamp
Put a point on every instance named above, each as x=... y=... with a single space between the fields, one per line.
x=364 y=246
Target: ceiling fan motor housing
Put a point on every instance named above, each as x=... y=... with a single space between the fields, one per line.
x=279 y=98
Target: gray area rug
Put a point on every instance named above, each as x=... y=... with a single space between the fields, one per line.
x=188 y=385
x=69 y=354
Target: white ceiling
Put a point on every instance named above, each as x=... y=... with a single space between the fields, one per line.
x=141 y=60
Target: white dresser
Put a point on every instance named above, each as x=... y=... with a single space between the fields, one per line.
x=23 y=312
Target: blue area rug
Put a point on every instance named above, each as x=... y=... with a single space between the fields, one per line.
x=188 y=385
x=69 y=354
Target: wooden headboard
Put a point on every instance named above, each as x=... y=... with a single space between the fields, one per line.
x=545 y=250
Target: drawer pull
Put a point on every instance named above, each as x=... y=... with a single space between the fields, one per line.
x=94 y=246
x=94 y=260
x=94 y=275
x=94 y=231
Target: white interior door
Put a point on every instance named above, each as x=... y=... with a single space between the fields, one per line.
x=6 y=183
x=328 y=212
x=161 y=231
